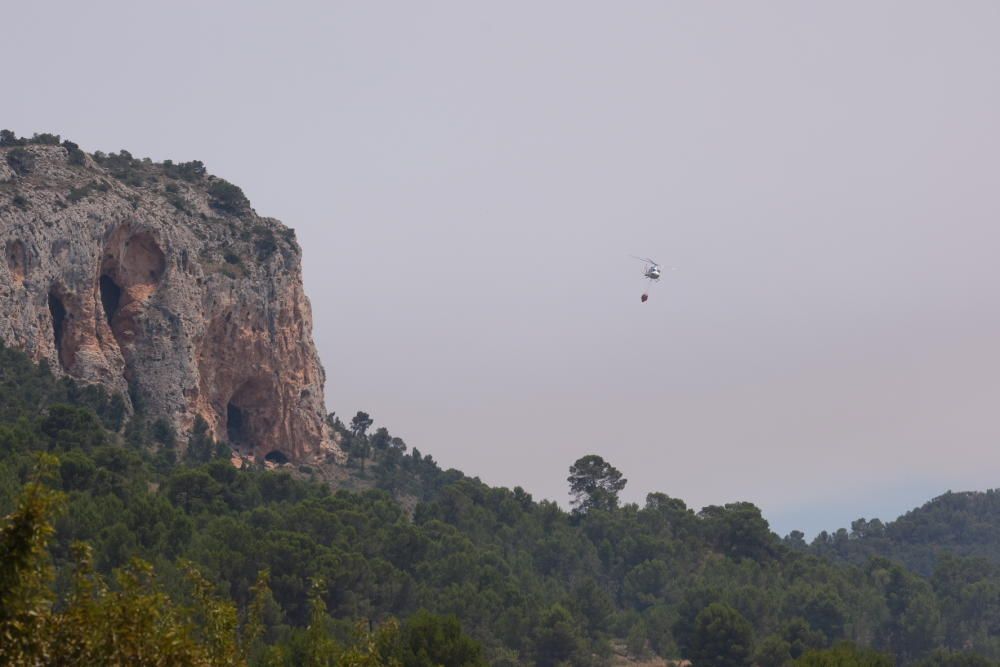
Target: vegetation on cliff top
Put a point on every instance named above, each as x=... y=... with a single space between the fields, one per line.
x=224 y=197
x=186 y=187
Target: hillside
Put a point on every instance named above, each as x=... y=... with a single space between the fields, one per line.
x=530 y=582
x=965 y=524
x=170 y=486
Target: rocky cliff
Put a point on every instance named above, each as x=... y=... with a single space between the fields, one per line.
x=161 y=283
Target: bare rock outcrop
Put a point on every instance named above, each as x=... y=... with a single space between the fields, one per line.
x=161 y=283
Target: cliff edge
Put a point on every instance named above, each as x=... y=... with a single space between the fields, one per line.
x=160 y=282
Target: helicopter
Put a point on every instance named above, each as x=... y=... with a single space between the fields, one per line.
x=652 y=269
x=651 y=272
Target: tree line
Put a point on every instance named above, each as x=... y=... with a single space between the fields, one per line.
x=112 y=525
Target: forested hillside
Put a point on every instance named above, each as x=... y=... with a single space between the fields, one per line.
x=275 y=568
x=966 y=524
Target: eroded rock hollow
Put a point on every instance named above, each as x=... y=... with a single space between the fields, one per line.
x=163 y=285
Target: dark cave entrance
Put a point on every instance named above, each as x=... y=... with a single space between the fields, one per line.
x=250 y=416
x=58 y=312
x=235 y=425
x=275 y=456
x=111 y=296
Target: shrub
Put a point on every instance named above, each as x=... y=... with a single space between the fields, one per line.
x=843 y=654
x=76 y=156
x=265 y=247
x=188 y=171
x=45 y=139
x=76 y=194
x=122 y=166
x=177 y=201
x=8 y=138
x=21 y=161
x=228 y=197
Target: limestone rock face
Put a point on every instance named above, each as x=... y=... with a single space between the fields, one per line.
x=159 y=282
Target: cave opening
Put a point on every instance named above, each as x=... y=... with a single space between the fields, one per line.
x=235 y=425
x=249 y=415
x=58 y=312
x=111 y=296
x=274 y=456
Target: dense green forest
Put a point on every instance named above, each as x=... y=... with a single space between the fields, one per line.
x=966 y=524
x=120 y=541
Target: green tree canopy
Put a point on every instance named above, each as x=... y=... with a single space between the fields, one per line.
x=722 y=638
x=594 y=484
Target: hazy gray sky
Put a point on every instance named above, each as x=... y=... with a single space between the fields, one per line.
x=468 y=180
